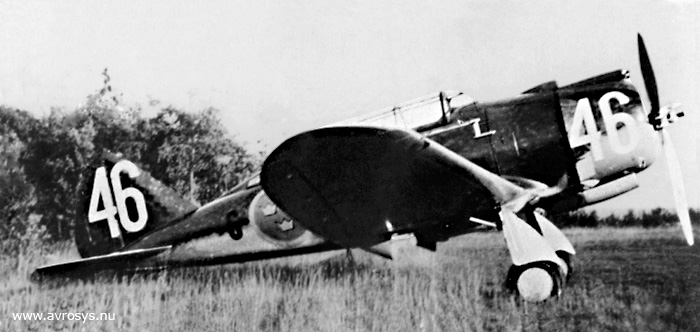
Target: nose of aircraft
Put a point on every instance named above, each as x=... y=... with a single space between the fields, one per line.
x=650 y=145
x=632 y=147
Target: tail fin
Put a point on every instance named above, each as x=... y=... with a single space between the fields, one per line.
x=120 y=204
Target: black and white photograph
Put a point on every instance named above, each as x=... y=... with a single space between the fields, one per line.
x=452 y=165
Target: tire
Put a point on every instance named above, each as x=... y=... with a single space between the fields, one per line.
x=536 y=281
x=235 y=232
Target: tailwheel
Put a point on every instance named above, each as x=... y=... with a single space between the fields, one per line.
x=235 y=232
x=536 y=281
x=234 y=225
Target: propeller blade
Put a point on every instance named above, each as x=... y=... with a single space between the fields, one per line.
x=649 y=78
x=674 y=167
x=678 y=188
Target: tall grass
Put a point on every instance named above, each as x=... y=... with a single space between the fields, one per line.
x=626 y=280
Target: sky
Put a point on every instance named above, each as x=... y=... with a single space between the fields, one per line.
x=276 y=68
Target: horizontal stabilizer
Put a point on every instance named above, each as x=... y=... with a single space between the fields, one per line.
x=119 y=260
x=156 y=259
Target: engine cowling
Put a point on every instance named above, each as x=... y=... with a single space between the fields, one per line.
x=274 y=225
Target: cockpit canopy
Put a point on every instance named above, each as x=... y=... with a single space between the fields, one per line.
x=418 y=114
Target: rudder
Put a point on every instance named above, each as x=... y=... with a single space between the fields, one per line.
x=120 y=203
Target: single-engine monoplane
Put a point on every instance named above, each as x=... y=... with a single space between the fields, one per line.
x=433 y=168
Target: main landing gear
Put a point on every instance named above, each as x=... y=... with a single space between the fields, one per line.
x=541 y=256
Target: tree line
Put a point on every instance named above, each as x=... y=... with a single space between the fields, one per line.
x=652 y=218
x=42 y=158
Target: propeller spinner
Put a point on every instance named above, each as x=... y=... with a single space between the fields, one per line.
x=660 y=117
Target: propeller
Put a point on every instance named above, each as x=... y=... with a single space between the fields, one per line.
x=660 y=117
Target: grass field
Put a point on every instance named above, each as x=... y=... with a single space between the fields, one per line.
x=630 y=279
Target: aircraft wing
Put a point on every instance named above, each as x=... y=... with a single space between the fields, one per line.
x=357 y=186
